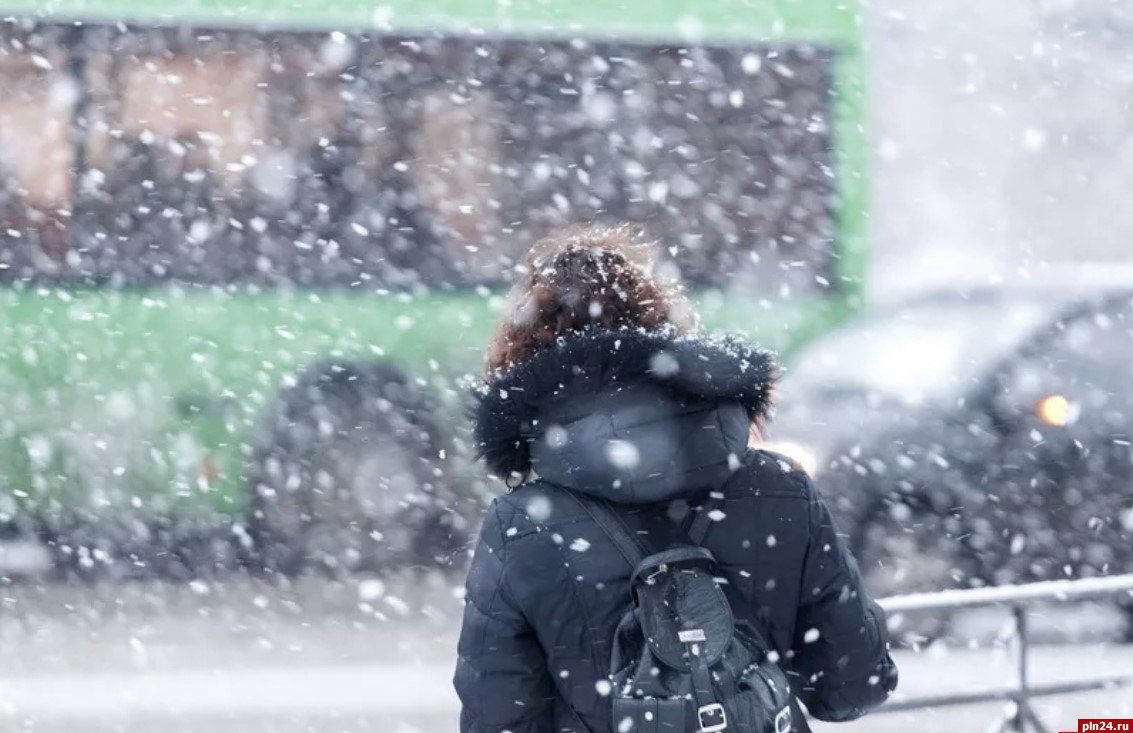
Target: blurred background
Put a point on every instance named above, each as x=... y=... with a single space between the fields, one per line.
x=999 y=133
x=250 y=254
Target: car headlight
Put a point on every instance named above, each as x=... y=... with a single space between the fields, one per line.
x=801 y=454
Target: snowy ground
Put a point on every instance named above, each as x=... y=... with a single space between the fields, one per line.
x=325 y=658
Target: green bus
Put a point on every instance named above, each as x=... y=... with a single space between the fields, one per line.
x=250 y=249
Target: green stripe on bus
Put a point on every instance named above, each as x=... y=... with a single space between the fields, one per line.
x=748 y=19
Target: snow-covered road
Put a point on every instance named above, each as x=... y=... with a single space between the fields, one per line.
x=326 y=658
x=324 y=698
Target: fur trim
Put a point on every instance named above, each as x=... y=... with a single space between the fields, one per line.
x=716 y=369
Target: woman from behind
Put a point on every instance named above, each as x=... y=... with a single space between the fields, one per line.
x=599 y=392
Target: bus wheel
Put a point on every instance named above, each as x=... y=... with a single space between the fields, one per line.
x=348 y=475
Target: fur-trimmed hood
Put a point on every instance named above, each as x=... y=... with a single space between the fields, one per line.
x=632 y=416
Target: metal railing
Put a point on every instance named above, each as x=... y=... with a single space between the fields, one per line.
x=1020 y=715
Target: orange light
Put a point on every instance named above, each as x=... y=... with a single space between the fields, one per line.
x=1055 y=410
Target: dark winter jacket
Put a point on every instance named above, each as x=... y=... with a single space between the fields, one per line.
x=652 y=422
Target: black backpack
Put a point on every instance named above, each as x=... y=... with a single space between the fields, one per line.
x=680 y=662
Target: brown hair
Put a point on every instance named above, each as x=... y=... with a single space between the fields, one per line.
x=585 y=277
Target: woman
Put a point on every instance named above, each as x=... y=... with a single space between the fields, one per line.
x=597 y=387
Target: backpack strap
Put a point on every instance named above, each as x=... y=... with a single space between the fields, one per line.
x=613 y=524
x=710 y=714
x=615 y=528
x=698 y=530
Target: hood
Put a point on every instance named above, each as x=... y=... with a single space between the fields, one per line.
x=629 y=416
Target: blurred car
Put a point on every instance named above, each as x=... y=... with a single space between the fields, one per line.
x=973 y=437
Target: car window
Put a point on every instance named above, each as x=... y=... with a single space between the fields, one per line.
x=923 y=351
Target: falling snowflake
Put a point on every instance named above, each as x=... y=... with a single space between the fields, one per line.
x=372 y=589
x=664 y=364
x=539 y=508
x=622 y=454
x=556 y=436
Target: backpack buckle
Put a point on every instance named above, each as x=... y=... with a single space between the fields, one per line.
x=783 y=721
x=712 y=718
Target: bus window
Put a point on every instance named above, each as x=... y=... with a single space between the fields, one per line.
x=298 y=184
x=214 y=97
x=393 y=161
x=37 y=99
x=740 y=163
x=176 y=124
x=723 y=152
x=455 y=150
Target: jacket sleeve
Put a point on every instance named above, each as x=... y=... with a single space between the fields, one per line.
x=501 y=673
x=840 y=651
